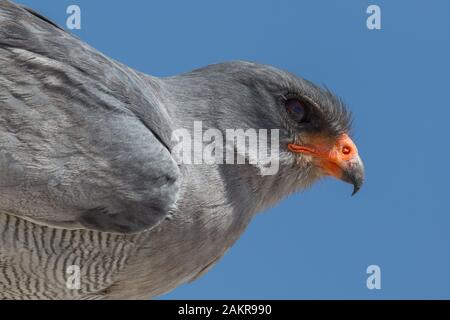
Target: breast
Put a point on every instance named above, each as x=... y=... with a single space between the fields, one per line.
x=184 y=246
x=37 y=262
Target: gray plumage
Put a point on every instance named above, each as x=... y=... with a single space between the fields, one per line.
x=86 y=173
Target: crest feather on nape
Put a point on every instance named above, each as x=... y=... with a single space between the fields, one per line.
x=339 y=116
x=335 y=114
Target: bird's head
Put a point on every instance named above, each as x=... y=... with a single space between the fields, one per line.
x=314 y=125
x=314 y=128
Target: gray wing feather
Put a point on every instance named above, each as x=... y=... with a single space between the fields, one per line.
x=83 y=139
x=40 y=16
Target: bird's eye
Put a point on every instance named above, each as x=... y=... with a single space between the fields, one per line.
x=297 y=110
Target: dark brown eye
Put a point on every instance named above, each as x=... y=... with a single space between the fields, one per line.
x=297 y=110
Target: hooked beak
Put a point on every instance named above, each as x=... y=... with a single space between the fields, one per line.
x=339 y=159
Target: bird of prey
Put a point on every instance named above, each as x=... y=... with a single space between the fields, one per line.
x=93 y=204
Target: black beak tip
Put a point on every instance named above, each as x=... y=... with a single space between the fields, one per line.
x=356 y=188
x=355 y=177
x=357 y=181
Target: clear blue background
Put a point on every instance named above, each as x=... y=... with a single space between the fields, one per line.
x=318 y=244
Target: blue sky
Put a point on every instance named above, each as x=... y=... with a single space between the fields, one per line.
x=318 y=244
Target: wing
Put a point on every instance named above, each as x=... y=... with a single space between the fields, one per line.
x=84 y=140
x=40 y=16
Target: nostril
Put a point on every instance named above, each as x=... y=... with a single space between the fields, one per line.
x=346 y=150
